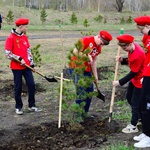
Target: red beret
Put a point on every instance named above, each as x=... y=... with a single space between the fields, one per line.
x=142 y=20
x=21 y=21
x=125 y=38
x=105 y=35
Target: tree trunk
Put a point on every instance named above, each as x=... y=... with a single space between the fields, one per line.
x=99 y=6
x=119 y=5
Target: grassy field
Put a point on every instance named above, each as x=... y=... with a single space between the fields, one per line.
x=56 y=17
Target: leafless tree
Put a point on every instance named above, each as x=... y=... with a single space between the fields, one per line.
x=119 y=5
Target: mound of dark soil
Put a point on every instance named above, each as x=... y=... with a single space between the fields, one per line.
x=7 y=89
x=90 y=134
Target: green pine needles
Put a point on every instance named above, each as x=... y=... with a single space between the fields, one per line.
x=36 y=55
x=43 y=16
x=9 y=17
x=72 y=111
x=74 y=19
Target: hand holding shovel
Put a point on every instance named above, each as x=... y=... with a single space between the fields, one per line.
x=49 y=79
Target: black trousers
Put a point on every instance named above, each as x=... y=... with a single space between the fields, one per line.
x=133 y=98
x=144 y=98
x=27 y=74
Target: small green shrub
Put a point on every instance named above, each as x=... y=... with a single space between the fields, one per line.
x=36 y=55
x=129 y=20
x=86 y=23
x=74 y=19
x=9 y=17
x=43 y=16
x=87 y=33
x=98 y=18
x=122 y=20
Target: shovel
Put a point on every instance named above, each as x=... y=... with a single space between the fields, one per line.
x=100 y=95
x=52 y=79
x=112 y=124
x=115 y=78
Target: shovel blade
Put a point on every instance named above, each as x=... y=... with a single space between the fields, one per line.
x=101 y=96
x=111 y=126
x=51 y=79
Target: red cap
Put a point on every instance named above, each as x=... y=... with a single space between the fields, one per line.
x=105 y=35
x=125 y=38
x=142 y=20
x=21 y=21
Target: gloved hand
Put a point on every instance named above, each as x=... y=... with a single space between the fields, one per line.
x=148 y=106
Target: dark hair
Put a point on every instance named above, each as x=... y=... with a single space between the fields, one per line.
x=105 y=42
x=123 y=44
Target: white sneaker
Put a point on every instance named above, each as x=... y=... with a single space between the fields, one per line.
x=145 y=142
x=130 y=129
x=35 y=109
x=19 y=111
x=139 y=138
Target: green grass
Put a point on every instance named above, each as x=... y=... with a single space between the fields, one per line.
x=55 y=18
x=119 y=146
x=123 y=113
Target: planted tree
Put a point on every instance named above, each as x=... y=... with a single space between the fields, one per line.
x=43 y=16
x=10 y=17
x=36 y=55
x=129 y=20
x=86 y=23
x=72 y=111
x=98 y=18
x=74 y=19
x=122 y=20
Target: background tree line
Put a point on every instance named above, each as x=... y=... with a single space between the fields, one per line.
x=89 y=5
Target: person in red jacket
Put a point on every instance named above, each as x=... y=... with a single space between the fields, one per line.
x=135 y=60
x=143 y=25
x=94 y=44
x=17 y=47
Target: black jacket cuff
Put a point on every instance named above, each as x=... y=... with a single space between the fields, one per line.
x=124 y=61
x=127 y=78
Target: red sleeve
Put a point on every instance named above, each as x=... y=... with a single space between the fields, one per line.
x=9 y=44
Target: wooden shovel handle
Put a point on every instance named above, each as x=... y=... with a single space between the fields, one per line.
x=114 y=88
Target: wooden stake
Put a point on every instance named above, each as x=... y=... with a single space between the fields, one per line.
x=60 y=100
